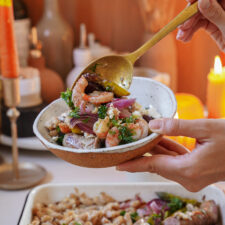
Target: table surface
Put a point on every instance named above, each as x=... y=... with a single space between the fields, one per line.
x=59 y=171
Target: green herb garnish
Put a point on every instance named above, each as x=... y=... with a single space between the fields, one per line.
x=130 y=119
x=86 y=120
x=115 y=122
x=175 y=204
x=58 y=129
x=151 y=219
x=125 y=135
x=59 y=141
x=67 y=97
x=112 y=132
x=134 y=217
x=94 y=67
x=76 y=223
x=122 y=213
x=102 y=111
x=108 y=88
x=75 y=113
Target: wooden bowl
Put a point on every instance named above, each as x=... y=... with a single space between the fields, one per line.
x=146 y=91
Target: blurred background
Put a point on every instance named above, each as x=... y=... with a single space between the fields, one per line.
x=56 y=39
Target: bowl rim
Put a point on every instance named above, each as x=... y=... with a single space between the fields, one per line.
x=116 y=149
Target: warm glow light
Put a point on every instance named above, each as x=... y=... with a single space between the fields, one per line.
x=176 y=116
x=218 y=69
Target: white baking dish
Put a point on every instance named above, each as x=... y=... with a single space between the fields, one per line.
x=56 y=192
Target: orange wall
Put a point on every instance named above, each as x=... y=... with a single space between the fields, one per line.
x=118 y=23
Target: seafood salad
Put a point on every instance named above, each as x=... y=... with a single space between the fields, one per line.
x=100 y=115
x=165 y=209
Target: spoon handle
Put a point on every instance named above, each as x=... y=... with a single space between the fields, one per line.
x=186 y=14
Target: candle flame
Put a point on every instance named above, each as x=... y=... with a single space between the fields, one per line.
x=176 y=116
x=218 y=65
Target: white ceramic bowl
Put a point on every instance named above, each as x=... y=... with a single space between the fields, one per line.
x=55 y=192
x=146 y=91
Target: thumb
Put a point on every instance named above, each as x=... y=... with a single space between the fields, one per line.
x=213 y=11
x=198 y=129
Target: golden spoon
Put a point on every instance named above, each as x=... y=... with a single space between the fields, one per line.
x=117 y=70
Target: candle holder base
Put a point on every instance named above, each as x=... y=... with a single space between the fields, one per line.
x=29 y=175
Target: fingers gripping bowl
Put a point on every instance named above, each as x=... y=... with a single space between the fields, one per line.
x=146 y=92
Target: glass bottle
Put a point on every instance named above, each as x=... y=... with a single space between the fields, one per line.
x=57 y=38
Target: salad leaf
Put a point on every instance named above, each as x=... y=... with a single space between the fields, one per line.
x=67 y=97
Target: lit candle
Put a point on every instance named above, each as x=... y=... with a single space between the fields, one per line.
x=216 y=91
x=188 y=107
x=8 y=51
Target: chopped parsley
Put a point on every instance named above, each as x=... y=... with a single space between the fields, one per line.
x=152 y=219
x=94 y=67
x=125 y=135
x=59 y=141
x=115 y=122
x=175 y=204
x=102 y=111
x=86 y=120
x=108 y=88
x=67 y=97
x=76 y=223
x=122 y=213
x=58 y=129
x=130 y=119
x=134 y=217
x=112 y=132
x=75 y=113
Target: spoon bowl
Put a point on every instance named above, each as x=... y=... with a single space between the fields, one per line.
x=115 y=68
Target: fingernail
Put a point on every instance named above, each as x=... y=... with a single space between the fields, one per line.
x=205 y=4
x=155 y=125
x=180 y=34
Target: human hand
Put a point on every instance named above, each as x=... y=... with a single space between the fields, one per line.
x=211 y=17
x=195 y=170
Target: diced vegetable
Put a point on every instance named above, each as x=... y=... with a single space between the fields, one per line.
x=116 y=89
x=64 y=128
x=76 y=130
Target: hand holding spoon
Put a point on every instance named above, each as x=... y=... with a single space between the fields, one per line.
x=118 y=69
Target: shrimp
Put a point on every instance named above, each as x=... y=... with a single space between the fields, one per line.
x=97 y=97
x=139 y=129
x=101 y=127
x=78 y=92
x=112 y=138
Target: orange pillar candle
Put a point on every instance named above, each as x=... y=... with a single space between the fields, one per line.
x=188 y=107
x=216 y=91
x=8 y=52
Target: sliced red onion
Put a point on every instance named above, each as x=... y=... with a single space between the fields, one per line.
x=146 y=211
x=85 y=122
x=158 y=206
x=122 y=103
